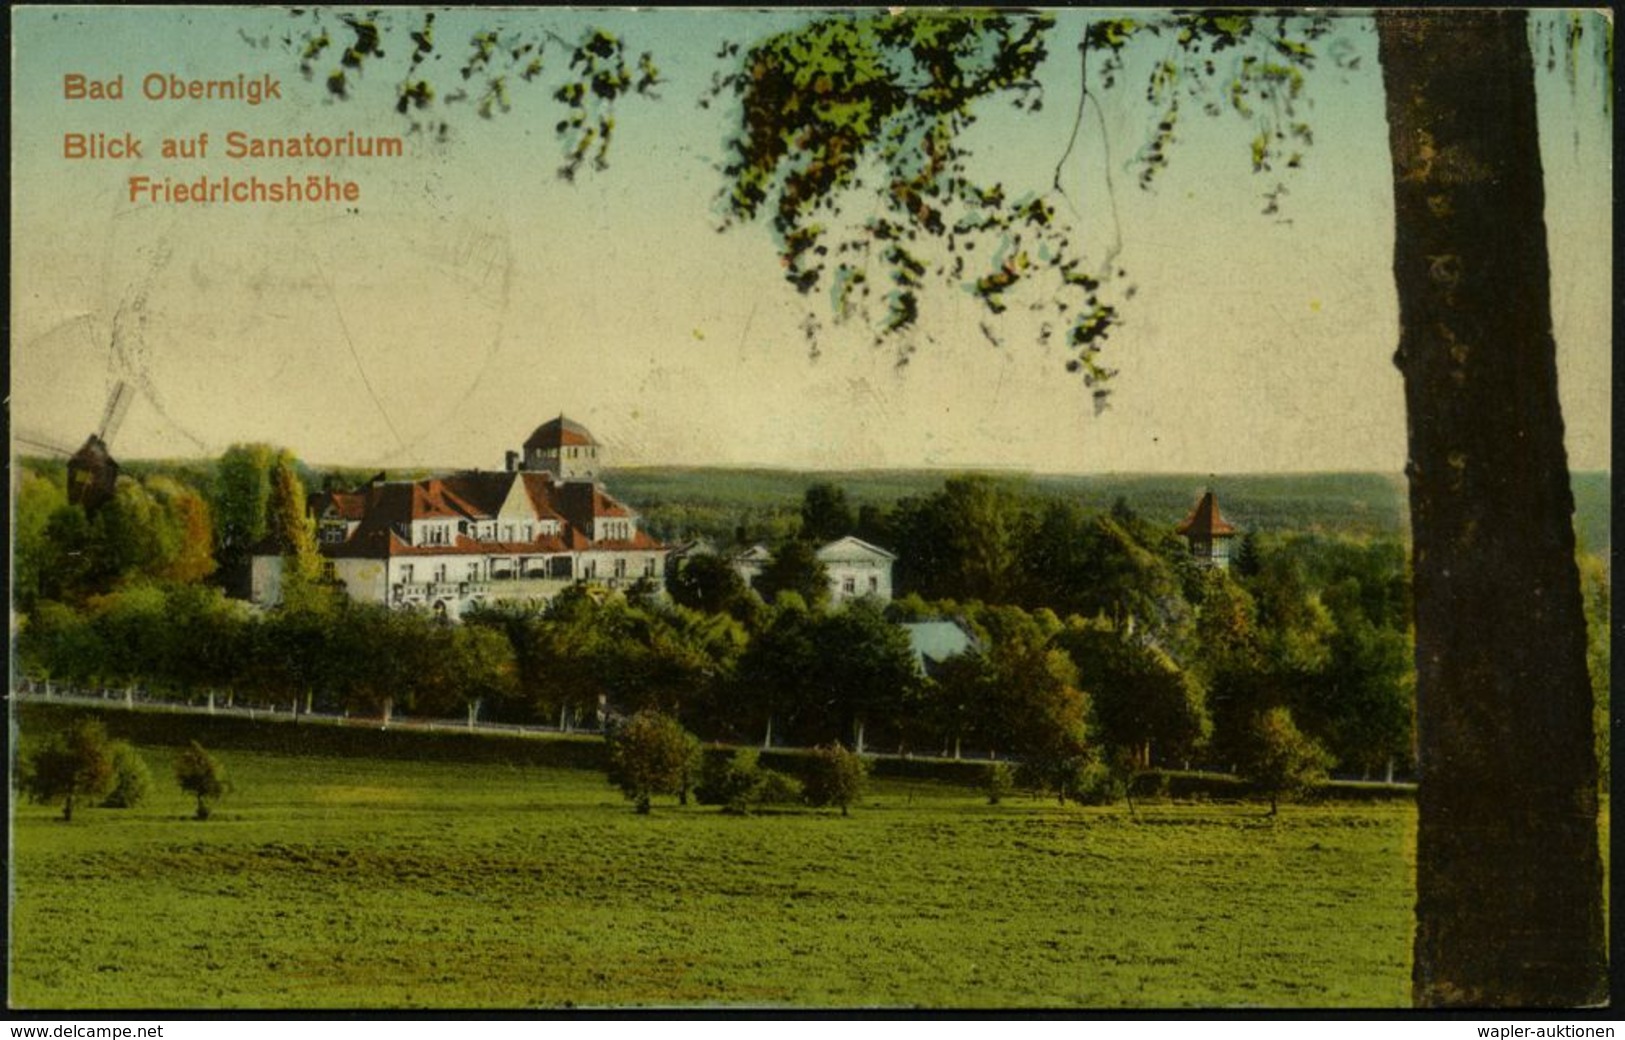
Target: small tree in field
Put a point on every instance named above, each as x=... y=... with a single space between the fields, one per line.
x=76 y=763
x=835 y=776
x=998 y=781
x=201 y=775
x=132 y=780
x=652 y=754
x=1281 y=760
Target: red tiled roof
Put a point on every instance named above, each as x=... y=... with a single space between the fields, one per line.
x=1205 y=520
x=484 y=491
x=347 y=505
x=556 y=433
x=543 y=494
x=384 y=509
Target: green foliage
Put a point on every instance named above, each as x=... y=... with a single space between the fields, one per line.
x=291 y=532
x=202 y=776
x=1143 y=702
x=998 y=781
x=154 y=529
x=1247 y=64
x=707 y=582
x=825 y=513
x=36 y=556
x=834 y=777
x=779 y=789
x=132 y=780
x=652 y=754
x=593 y=71
x=1281 y=760
x=826 y=108
x=963 y=541
x=242 y=492
x=739 y=783
x=76 y=763
x=795 y=568
x=826 y=677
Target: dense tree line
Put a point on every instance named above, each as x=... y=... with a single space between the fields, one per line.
x=1097 y=646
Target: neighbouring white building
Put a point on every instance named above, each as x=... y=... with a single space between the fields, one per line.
x=450 y=542
x=854 y=567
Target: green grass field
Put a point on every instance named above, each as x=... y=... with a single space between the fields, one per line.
x=366 y=883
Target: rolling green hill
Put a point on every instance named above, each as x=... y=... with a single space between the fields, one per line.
x=680 y=502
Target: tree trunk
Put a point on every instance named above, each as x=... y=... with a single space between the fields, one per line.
x=1509 y=880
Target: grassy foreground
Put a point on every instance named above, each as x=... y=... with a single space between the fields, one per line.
x=333 y=883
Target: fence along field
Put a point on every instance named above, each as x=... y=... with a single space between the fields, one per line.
x=376 y=882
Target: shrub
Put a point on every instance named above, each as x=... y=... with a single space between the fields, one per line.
x=651 y=754
x=132 y=780
x=740 y=781
x=779 y=789
x=1079 y=777
x=733 y=782
x=835 y=776
x=75 y=763
x=200 y=774
x=1092 y=783
x=998 y=781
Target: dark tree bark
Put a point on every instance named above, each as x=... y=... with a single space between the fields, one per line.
x=1509 y=879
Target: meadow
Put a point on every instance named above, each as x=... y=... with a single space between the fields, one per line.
x=326 y=882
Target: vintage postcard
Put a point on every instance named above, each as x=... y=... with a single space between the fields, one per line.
x=533 y=509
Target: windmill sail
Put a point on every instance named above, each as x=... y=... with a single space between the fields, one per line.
x=118 y=403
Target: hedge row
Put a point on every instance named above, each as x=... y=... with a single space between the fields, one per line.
x=357 y=739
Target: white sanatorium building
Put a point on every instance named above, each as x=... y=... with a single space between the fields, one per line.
x=523 y=533
x=450 y=542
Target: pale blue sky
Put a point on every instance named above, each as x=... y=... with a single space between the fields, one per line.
x=472 y=294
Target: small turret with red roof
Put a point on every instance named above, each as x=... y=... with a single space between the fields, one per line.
x=1208 y=533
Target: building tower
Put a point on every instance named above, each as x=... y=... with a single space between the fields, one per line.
x=1208 y=533
x=563 y=448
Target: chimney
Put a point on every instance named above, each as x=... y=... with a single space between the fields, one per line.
x=513 y=461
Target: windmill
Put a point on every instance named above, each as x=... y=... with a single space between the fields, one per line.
x=92 y=470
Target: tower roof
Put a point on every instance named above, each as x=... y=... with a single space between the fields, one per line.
x=1205 y=520
x=558 y=433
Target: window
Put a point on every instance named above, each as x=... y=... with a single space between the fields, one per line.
x=649 y=567
x=406 y=573
x=849 y=585
x=474 y=571
x=620 y=567
x=439 y=572
x=874 y=584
